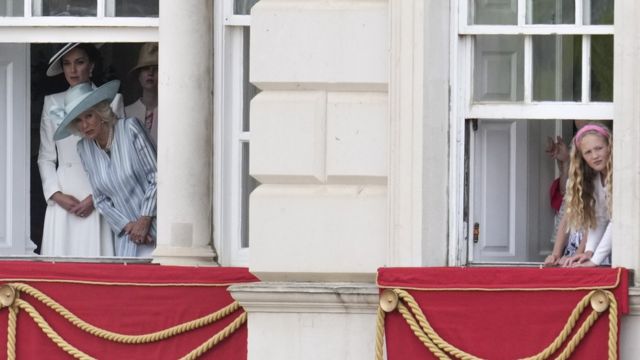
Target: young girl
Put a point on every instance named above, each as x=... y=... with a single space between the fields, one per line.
x=589 y=193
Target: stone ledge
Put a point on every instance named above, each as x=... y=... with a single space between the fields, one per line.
x=634 y=301
x=304 y=297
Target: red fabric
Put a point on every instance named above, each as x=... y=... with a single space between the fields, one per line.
x=555 y=195
x=179 y=294
x=500 y=313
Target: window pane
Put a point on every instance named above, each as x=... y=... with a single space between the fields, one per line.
x=493 y=12
x=67 y=8
x=248 y=185
x=243 y=7
x=498 y=68
x=551 y=12
x=248 y=89
x=11 y=7
x=557 y=68
x=137 y=8
x=598 y=12
x=602 y=68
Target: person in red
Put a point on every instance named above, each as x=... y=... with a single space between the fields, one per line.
x=145 y=109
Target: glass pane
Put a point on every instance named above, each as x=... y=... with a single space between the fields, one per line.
x=493 y=12
x=137 y=8
x=602 y=68
x=248 y=89
x=551 y=12
x=248 y=185
x=557 y=68
x=67 y=8
x=598 y=12
x=11 y=7
x=498 y=73
x=243 y=7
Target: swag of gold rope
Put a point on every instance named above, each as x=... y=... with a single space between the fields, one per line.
x=9 y=298
x=600 y=300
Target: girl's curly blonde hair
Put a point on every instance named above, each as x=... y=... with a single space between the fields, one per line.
x=580 y=191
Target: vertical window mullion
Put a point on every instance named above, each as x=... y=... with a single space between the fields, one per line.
x=586 y=68
x=27 y=8
x=522 y=13
x=579 y=15
x=34 y=7
x=110 y=8
x=100 y=9
x=463 y=14
x=528 y=68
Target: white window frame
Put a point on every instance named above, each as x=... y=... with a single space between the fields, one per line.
x=463 y=106
x=228 y=133
x=28 y=29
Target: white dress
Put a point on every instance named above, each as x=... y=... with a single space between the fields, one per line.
x=600 y=237
x=66 y=234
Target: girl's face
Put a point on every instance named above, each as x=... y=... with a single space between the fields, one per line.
x=76 y=66
x=595 y=151
x=148 y=77
x=89 y=124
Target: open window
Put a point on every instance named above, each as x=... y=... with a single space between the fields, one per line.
x=527 y=69
x=32 y=33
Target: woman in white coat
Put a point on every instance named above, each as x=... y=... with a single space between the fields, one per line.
x=72 y=227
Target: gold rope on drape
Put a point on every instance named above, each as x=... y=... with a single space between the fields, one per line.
x=9 y=298
x=403 y=302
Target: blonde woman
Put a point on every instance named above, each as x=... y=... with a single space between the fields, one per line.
x=589 y=193
x=120 y=160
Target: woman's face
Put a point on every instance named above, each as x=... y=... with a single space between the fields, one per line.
x=148 y=77
x=595 y=151
x=76 y=66
x=89 y=124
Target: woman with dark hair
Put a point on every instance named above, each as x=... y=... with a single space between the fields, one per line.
x=71 y=227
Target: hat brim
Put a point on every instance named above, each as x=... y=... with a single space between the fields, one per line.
x=55 y=63
x=55 y=66
x=107 y=91
x=135 y=69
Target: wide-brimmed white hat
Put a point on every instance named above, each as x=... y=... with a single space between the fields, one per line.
x=81 y=98
x=55 y=63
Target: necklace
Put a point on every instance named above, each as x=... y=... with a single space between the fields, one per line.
x=107 y=146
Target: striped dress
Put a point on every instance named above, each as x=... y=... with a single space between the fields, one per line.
x=123 y=182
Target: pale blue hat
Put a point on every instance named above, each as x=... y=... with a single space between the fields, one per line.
x=81 y=98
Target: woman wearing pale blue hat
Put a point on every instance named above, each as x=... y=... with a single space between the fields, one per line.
x=71 y=226
x=120 y=160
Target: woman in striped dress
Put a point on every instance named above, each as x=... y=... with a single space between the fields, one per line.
x=120 y=161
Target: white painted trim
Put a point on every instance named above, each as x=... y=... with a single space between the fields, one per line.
x=101 y=8
x=71 y=34
x=528 y=68
x=460 y=74
x=76 y=21
x=586 y=68
x=579 y=15
x=228 y=135
x=405 y=133
x=460 y=15
x=541 y=110
x=237 y=20
x=219 y=43
x=521 y=6
x=562 y=29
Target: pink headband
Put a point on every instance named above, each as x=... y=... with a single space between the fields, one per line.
x=589 y=127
